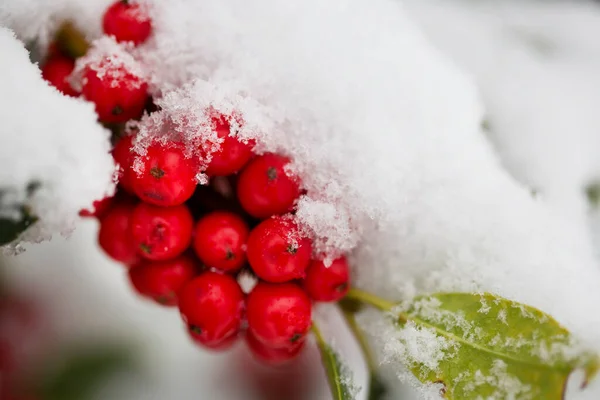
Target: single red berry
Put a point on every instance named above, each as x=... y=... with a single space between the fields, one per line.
x=324 y=283
x=160 y=233
x=233 y=153
x=98 y=209
x=127 y=21
x=162 y=281
x=56 y=70
x=115 y=236
x=119 y=95
x=123 y=155
x=265 y=189
x=279 y=315
x=168 y=178
x=273 y=355
x=212 y=305
x=277 y=251
x=220 y=240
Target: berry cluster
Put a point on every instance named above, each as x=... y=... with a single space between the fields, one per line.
x=190 y=246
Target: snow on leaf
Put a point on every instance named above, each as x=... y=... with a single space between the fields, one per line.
x=510 y=351
x=337 y=374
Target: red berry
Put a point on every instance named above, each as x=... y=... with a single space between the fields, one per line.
x=115 y=236
x=118 y=94
x=127 y=22
x=220 y=241
x=277 y=251
x=124 y=157
x=168 y=178
x=99 y=207
x=271 y=355
x=160 y=233
x=278 y=314
x=56 y=71
x=162 y=281
x=264 y=188
x=212 y=305
x=327 y=283
x=232 y=155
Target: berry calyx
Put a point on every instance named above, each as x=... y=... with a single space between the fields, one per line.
x=277 y=251
x=124 y=157
x=127 y=22
x=115 y=236
x=324 y=283
x=119 y=95
x=270 y=355
x=233 y=153
x=56 y=70
x=220 y=241
x=279 y=315
x=212 y=305
x=167 y=178
x=223 y=345
x=98 y=209
x=162 y=281
x=160 y=233
x=265 y=189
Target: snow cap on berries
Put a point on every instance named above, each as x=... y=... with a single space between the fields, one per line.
x=109 y=59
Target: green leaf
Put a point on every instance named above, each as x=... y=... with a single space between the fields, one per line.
x=484 y=346
x=338 y=377
x=78 y=376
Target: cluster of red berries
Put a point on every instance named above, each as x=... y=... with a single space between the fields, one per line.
x=188 y=245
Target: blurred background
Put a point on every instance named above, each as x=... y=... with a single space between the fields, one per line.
x=72 y=328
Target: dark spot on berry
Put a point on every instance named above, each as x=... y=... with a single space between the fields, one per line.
x=295 y=338
x=341 y=287
x=272 y=173
x=157 y=172
x=292 y=249
x=166 y=299
x=145 y=248
x=159 y=232
x=196 y=329
x=153 y=195
x=117 y=110
x=230 y=255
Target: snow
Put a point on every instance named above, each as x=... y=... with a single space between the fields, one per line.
x=50 y=139
x=386 y=132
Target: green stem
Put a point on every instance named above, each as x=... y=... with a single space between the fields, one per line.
x=329 y=361
x=361 y=339
x=371 y=299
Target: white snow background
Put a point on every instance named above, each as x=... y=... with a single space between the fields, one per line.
x=384 y=123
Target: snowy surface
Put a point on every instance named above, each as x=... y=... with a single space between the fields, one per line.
x=50 y=139
x=385 y=130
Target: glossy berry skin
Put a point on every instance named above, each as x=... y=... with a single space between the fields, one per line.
x=233 y=153
x=124 y=157
x=212 y=306
x=115 y=236
x=127 y=22
x=327 y=283
x=168 y=178
x=279 y=315
x=162 y=281
x=98 y=209
x=220 y=240
x=277 y=252
x=160 y=233
x=264 y=188
x=117 y=94
x=56 y=70
x=271 y=355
